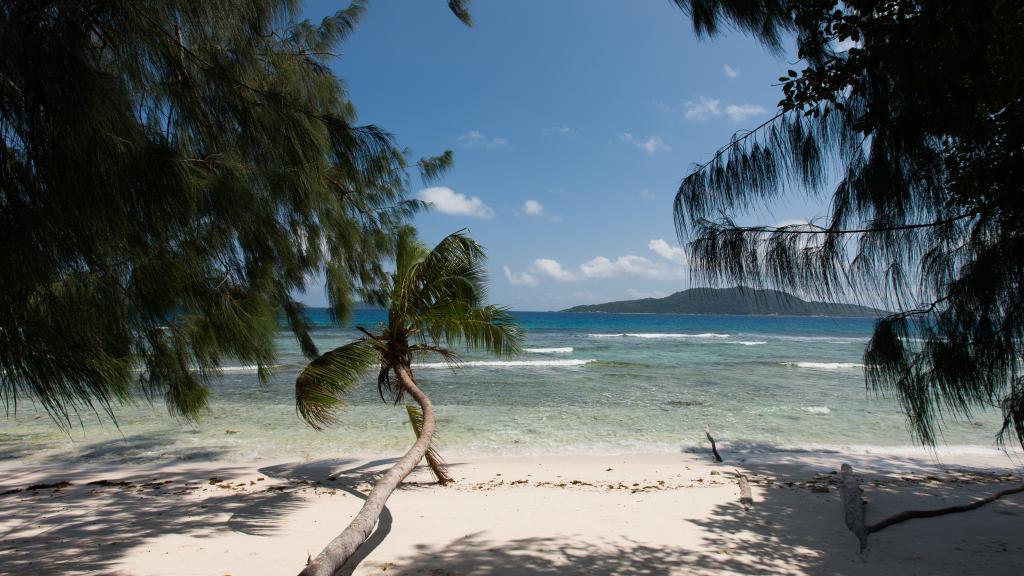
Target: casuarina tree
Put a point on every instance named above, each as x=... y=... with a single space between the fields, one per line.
x=907 y=117
x=172 y=173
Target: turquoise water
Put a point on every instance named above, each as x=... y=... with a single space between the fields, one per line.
x=587 y=383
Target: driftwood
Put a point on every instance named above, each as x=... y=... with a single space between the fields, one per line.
x=746 y=498
x=911 y=514
x=854 y=506
x=714 y=449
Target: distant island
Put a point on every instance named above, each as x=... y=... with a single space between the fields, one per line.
x=738 y=301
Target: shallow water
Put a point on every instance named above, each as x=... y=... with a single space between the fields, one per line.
x=586 y=383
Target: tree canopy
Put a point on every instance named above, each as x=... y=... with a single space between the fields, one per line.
x=171 y=174
x=915 y=135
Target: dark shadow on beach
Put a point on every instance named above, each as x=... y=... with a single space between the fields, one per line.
x=86 y=526
x=795 y=525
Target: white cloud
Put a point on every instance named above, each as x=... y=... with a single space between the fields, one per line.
x=730 y=71
x=792 y=222
x=477 y=139
x=651 y=145
x=447 y=201
x=559 y=130
x=519 y=278
x=533 y=208
x=552 y=269
x=667 y=251
x=702 y=109
x=672 y=267
x=629 y=265
x=740 y=112
x=705 y=108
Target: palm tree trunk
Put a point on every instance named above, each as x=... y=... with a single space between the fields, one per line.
x=334 y=556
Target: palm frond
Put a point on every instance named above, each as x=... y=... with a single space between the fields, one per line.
x=434 y=460
x=454 y=270
x=409 y=255
x=461 y=10
x=488 y=328
x=450 y=357
x=388 y=385
x=321 y=384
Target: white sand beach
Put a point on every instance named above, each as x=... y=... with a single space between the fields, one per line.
x=630 y=514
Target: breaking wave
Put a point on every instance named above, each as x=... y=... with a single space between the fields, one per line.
x=509 y=364
x=824 y=365
x=660 y=335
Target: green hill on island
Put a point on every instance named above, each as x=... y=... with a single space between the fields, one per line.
x=739 y=301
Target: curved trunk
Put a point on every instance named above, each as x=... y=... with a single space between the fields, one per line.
x=334 y=556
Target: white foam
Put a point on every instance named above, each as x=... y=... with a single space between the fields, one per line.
x=244 y=369
x=566 y=350
x=822 y=339
x=749 y=342
x=508 y=363
x=825 y=365
x=227 y=369
x=817 y=409
x=660 y=336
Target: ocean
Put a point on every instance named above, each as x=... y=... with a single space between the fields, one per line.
x=585 y=384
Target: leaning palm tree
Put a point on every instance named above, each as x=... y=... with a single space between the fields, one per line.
x=434 y=302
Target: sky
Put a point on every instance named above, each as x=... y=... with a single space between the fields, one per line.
x=572 y=124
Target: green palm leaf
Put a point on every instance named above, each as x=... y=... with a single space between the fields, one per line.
x=320 y=385
x=437 y=464
x=489 y=328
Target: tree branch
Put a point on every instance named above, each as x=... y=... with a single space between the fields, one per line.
x=911 y=514
x=830 y=232
x=368 y=333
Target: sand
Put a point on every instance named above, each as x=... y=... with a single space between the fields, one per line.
x=626 y=514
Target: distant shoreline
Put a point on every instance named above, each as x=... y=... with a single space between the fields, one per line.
x=736 y=301
x=570 y=311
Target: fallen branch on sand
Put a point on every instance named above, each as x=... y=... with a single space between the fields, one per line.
x=853 y=504
x=714 y=449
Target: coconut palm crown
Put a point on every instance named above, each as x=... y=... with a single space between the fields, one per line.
x=434 y=302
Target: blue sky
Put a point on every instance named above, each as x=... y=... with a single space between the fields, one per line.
x=572 y=123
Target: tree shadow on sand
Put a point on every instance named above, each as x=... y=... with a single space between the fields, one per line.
x=53 y=527
x=795 y=526
x=87 y=528
x=341 y=475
